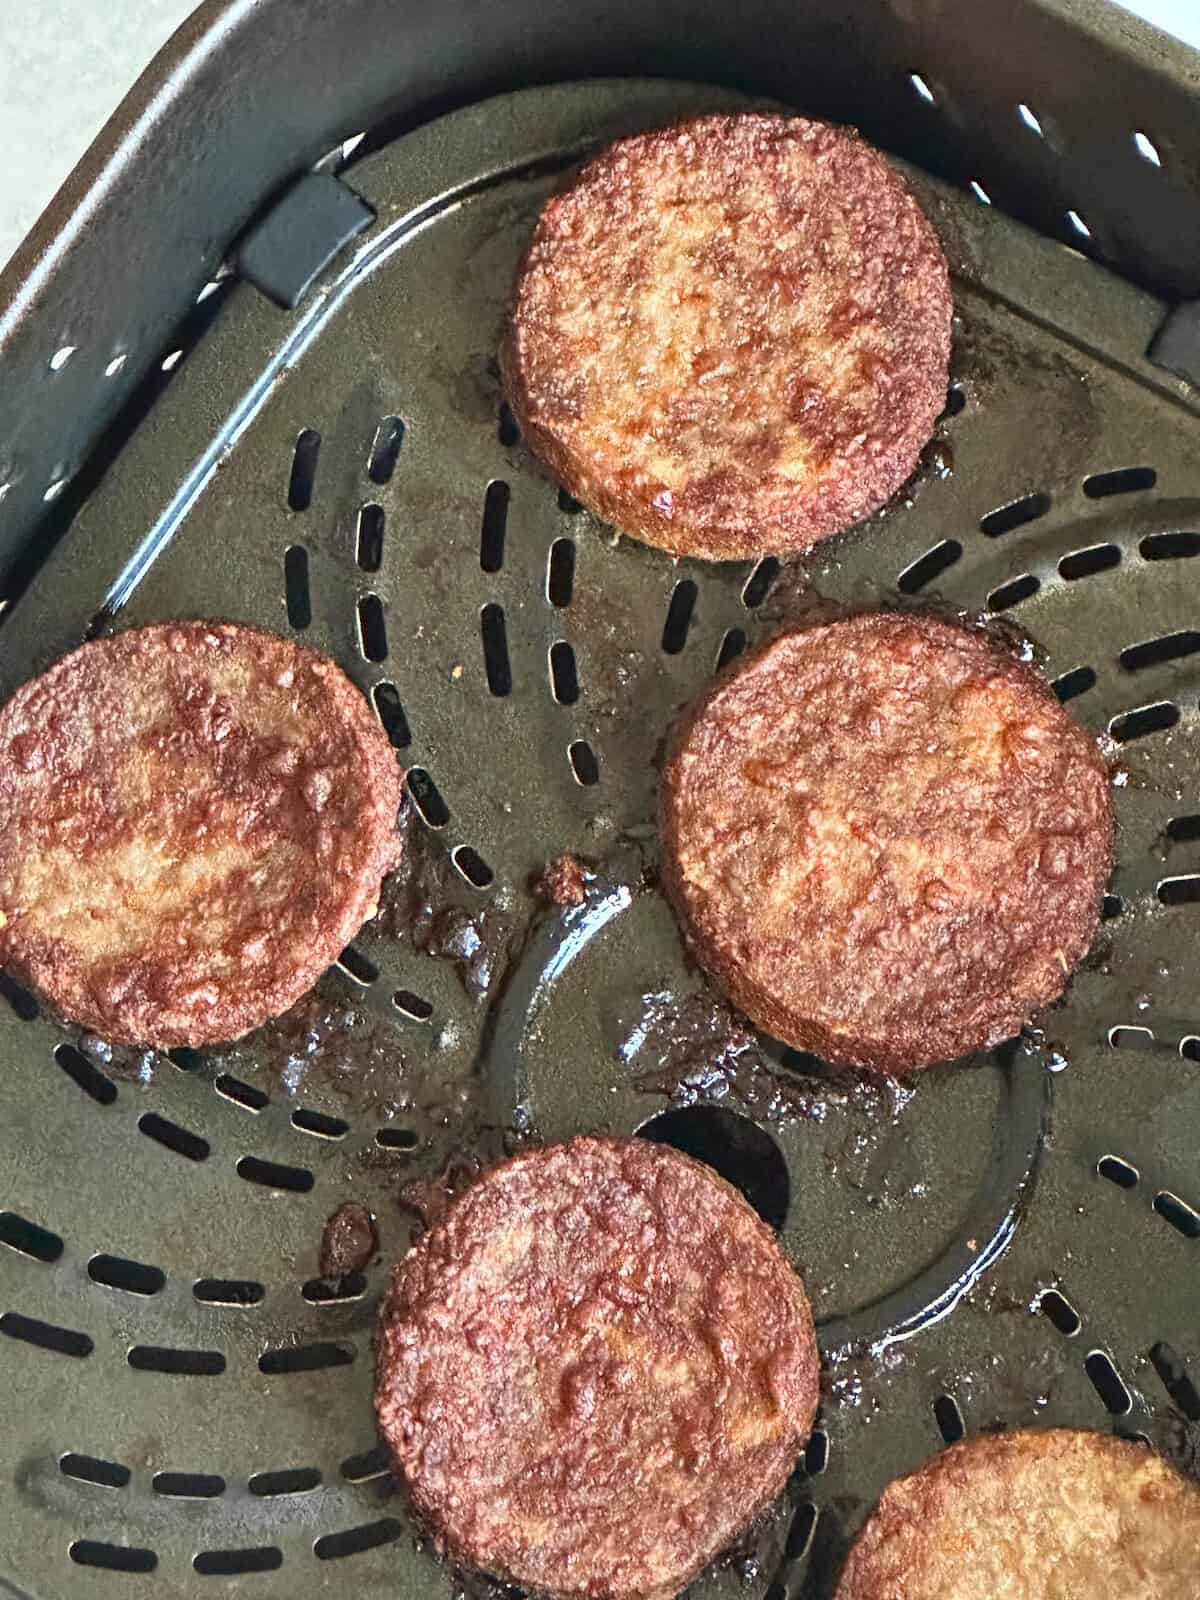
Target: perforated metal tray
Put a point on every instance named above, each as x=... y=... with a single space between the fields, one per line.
x=1013 y=1240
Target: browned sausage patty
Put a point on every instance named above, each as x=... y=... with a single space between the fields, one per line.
x=1055 y=1515
x=596 y=1370
x=194 y=821
x=731 y=335
x=886 y=838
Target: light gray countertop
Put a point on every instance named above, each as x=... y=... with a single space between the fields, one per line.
x=65 y=65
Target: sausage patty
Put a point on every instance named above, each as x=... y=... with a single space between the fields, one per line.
x=886 y=838
x=731 y=335
x=194 y=821
x=596 y=1370
x=1039 y=1515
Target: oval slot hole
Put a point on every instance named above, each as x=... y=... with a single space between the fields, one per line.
x=21 y=1001
x=1108 y=1384
x=228 y=1291
x=391 y=713
x=274 y=1175
x=1154 y=652
x=389 y=436
x=758 y=584
x=1181 y=891
x=1128 y=480
x=472 y=866
x=949 y=1418
x=1072 y=684
x=1012 y=593
x=112 y=1557
x=568 y=504
x=186 y=1059
x=1178 y=1213
x=368 y=544
x=929 y=567
x=296 y=1480
x=172 y=1137
x=188 y=1485
x=560 y=572
x=45 y=1335
x=564 y=679
x=372 y=1463
x=325 y=1292
x=1111 y=906
x=333 y=1546
x=372 y=628
x=304 y=469
x=583 y=763
x=800 y=1534
x=318 y=1124
x=1085 y=563
x=1131 y=1038
x=412 y=1005
x=1170 y=546
x=1184 y=829
x=427 y=797
x=1174 y=1378
x=397 y=1139
x=134 y=1277
x=228 y=1563
x=506 y=428
x=242 y=1094
x=492 y=529
x=679 y=616
x=360 y=967
x=732 y=646
x=495 y=650
x=90 y=1469
x=1118 y=1172
x=176 y=1363
x=305 y=1358
x=89 y=1078
x=1015 y=514
x=1060 y=1313
x=816 y=1455
x=295 y=583
x=26 y=1237
x=1147 y=719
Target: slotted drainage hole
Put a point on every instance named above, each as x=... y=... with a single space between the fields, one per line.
x=188 y=1485
x=351 y=1542
x=229 y=1563
x=385 y=450
x=735 y=1147
x=134 y=1277
x=1108 y=1383
x=800 y=1534
x=112 y=1557
x=90 y=1469
x=1060 y=1313
x=304 y=469
x=1182 y=1217
x=391 y=713
x=29 y=1238
x=949 y=1418
x=427 y=797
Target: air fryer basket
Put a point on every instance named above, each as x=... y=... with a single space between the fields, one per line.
x=1011 y=1240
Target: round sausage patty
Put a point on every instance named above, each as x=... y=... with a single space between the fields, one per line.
x=1039 y=1515
x=194 y=821
x=731 y=335
x=596 y=1370
x=886 y=839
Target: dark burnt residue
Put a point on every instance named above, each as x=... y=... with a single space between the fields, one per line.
x=349 y=1242
x=425 y=903
x=694 y=1047
x=330 y=1044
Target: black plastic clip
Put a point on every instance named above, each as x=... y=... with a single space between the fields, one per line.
x=1176 y=345
x=285 y=250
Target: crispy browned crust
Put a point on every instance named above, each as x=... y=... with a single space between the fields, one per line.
x=1035 y=1516
x=731 y=335
x=886 y=839
x=596 y=1370
x=194 y=821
